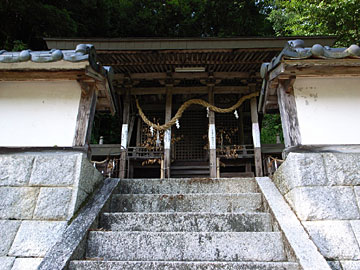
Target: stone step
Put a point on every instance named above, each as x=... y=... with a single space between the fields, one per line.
x=200 y=202
x=185 y=246
x=186 y=185
x=186 y=222
x=158 y=265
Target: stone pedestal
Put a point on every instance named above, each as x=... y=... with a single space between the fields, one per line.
x=323 y=189
x=39 y=194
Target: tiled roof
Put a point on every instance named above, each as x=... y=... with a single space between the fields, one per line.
x=295 y=50
x=82 y=53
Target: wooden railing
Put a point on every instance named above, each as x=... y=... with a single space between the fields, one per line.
x=144 y=153
x=235 y=151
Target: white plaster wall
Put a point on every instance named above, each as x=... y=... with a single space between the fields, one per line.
x=328 y=110
x=38 y=113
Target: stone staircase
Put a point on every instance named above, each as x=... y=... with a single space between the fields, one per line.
x=200 y=224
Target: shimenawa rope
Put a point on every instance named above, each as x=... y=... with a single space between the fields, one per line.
x=188 y=104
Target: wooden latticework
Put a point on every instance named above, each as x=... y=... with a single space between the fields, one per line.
x=193 y=126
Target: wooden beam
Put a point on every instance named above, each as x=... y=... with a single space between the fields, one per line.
x=131 y=128
x=191 y=90
x=124 y=133
x=185 y=75
x=138 y=132
x=288 y=113
x=256 y=138
x=212 y=136
x=85 y=117
x=41 y=75
x=167 y=137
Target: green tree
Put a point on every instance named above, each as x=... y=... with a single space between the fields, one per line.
x=28 y=21
x=317 y=17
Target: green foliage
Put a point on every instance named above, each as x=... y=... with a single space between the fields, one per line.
x=31 y=20
x=107 y=126
x=271 y=128
x=317 y=17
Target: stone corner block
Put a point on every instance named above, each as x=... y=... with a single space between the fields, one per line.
x=300 y=169
x=17 y=202
x=26 y=263
x=6 y=263
x=8 y=230
x=60 y=169
x=350 y=265
x=34 y=238
x=90 y=177
x=321 y=203
x=53 y=203
x=15 y=169
x=335 y=239
x=342 y=168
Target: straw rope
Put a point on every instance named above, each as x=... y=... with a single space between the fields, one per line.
x=187 y=104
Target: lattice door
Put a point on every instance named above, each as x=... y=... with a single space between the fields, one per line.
x=193 y=126
x=231 y=125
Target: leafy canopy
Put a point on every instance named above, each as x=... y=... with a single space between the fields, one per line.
x=28 y=21
x=316 y=17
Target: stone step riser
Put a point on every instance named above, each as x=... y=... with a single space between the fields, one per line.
x=214 y=203
x=145 y=246
x=183 y=186
x=186 y=222
x=112 y=265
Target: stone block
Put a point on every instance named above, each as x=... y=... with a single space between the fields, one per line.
x=8 y=229
x=355 y=225
x=17 y=202
x=342 y=168
x=34 y=238
x=321 y=203
x=299 y=170
x=58 y=169
x=90 y=177
x=15 y=169
x=335 y=239
x=334 y=265
x=6 y=263
x=26 y=263
x=53 y=203
x=357 y=194
x=350 y=265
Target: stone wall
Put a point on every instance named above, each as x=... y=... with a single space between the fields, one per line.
x=39 y=194
x=324 y=191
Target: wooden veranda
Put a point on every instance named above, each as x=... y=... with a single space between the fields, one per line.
x=164 y=73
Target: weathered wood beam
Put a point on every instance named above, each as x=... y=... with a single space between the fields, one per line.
x=85 y=116
x=256 y=138
x=191 y=90
x=288 y=113
x=186 y=75
x=41 y=75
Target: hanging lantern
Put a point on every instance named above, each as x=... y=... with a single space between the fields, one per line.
x=152 y=131
x=177 y=124
x=207 y=112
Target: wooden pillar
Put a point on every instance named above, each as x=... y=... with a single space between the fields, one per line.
x=212 y=135
x=85 y=117
x=167 y=135
x=256 y=138
x=124 y=133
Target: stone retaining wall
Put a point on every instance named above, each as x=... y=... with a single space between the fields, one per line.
x=39 y=194
x=324 y=191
